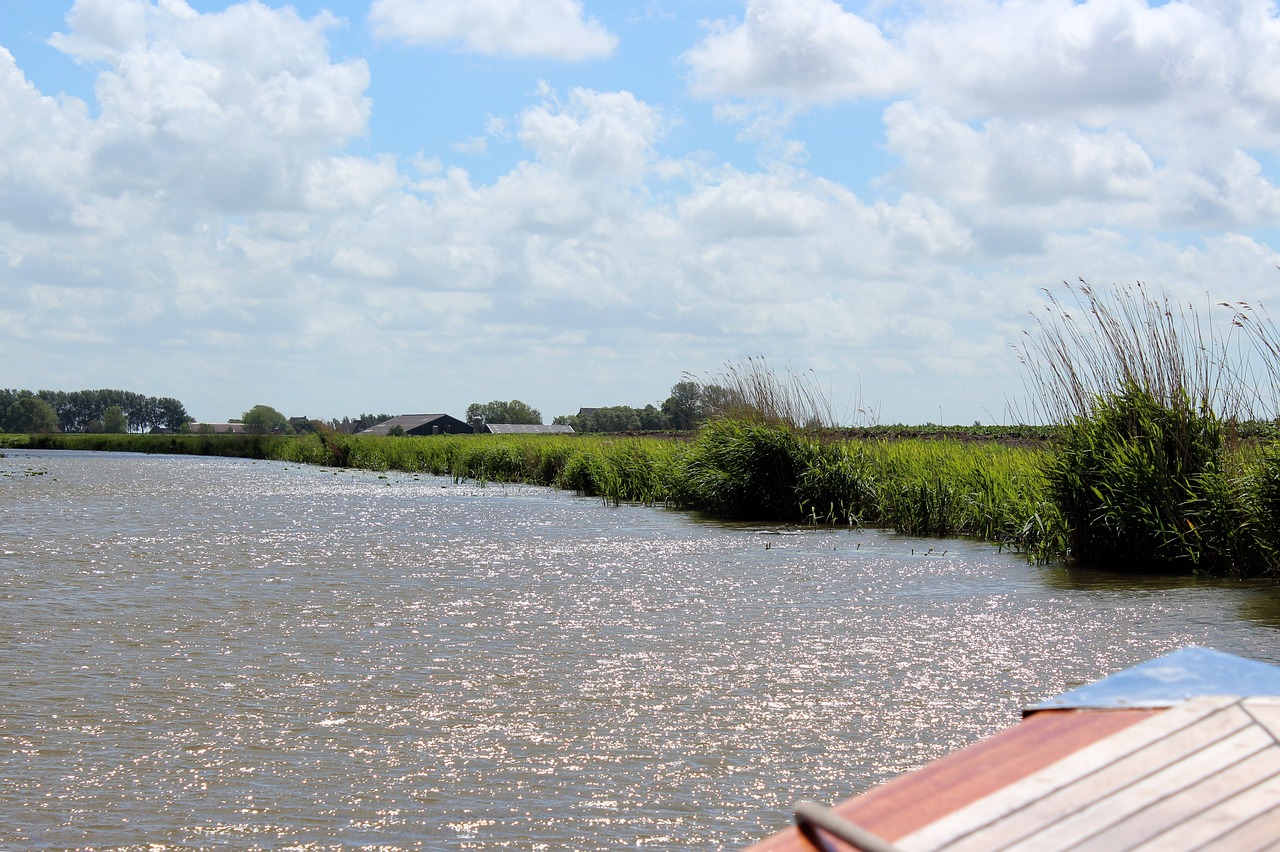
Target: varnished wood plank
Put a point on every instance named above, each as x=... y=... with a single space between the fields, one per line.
x=1153 y=778
x=1166 y=818
x=915 y=800
x=905 y=804
x=1094 y=800
x=1267 y=712
x=1039 y=784
x=1216 y=823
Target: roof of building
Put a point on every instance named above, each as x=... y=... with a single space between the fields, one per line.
x=218 y=428
x=528 y=429
x=407 y=422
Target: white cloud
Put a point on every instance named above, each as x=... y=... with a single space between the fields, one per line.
x=104 y=30
x=750 y=207
x=1013 y=165
x=552 y=29
x=225 y=109
x=597 y=135
x=1090 y=61
x=1031 y=115
x=473 y=145
x=344 y=183
x=215 y=212
x=1054 y=57
x=42 y=152
x=1052 y=175
x=809 y=51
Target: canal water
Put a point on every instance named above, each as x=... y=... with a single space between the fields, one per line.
x=213 y=653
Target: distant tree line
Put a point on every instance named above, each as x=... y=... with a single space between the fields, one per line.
x=351 y=425
x=689 y=405
x=89 y=411
x=498 y=411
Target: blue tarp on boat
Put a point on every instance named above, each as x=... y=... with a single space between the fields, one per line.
x=1186 y=673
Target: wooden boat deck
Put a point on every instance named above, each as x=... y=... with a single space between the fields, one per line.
x=1204 y=774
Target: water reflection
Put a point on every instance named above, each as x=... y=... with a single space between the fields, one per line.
x=1079 y=578
x=1258 y=599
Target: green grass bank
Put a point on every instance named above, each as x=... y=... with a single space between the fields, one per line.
x=732 y=469
x=1113 y=498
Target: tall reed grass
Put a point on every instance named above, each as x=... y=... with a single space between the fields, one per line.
x=753 y=390
x=941 y=488
x=1147 y=394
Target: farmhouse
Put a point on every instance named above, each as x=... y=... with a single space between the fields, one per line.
x=421 y=424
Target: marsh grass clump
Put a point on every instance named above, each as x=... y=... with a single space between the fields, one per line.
x=1146 y=394
x=500 y=462
x=744 y=469
x=1259 y=475
x=839 y=485
x=949 y=488
x=230 y=446
x=1141 y=479
x=643 y=471
x=587 y=472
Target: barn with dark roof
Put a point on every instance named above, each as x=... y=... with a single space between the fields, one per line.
x=421 y=424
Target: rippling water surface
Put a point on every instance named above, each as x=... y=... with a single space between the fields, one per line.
x=224 y=653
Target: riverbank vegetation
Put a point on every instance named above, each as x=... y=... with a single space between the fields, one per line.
x=989 y=484
x=1151 y=471
x=769 y=454
x=732 y=469
x=1162 y=453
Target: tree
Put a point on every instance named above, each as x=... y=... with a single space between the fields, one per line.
x=8 y=396
x=113 y=421
x=31 y=415
x=171 y=414
x=684 y=407
x=652 y=419
x=347 y=426
x=498 y=411
x=519 y=412
x=263 y=420
x=718 y=401
x=145 y=414
x=306 y=426
x=616 y=418
x=83 y=410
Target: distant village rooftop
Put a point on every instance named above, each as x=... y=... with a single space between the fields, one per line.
x=527 y=429
x=216 y=428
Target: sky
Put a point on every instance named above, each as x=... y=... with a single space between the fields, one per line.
x=406 y=206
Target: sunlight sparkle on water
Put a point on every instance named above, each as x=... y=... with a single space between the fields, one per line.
x=205 y=652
